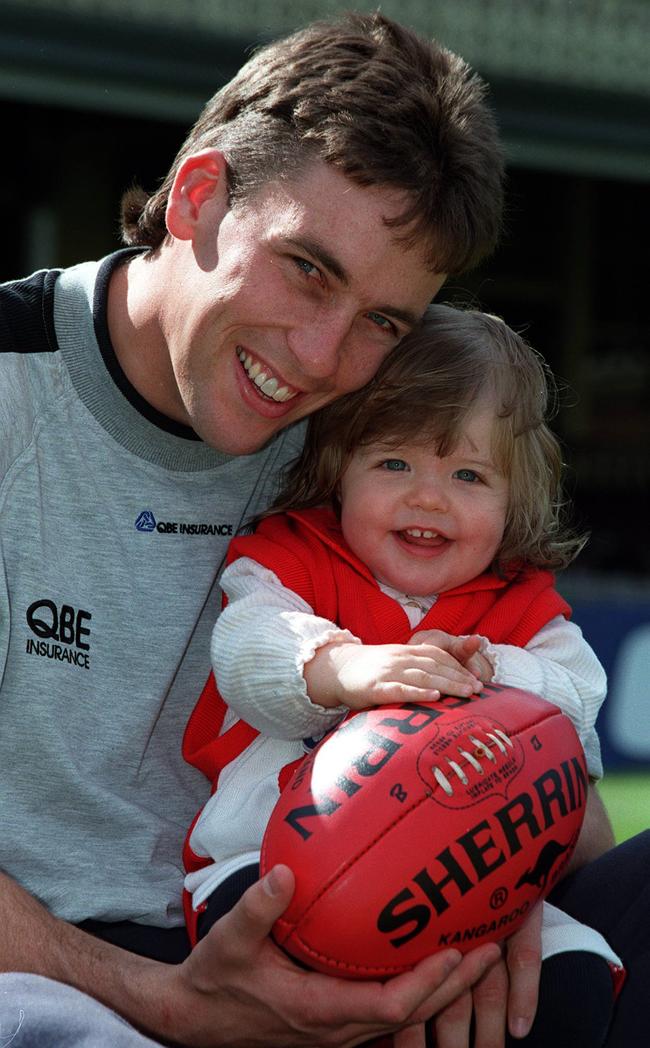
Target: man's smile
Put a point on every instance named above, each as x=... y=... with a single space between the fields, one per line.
x=262 y=376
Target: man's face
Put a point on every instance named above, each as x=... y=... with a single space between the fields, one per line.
x=284 y=302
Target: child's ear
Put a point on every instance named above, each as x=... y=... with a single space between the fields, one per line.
x=199 y=194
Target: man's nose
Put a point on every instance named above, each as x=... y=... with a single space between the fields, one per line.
x=318 y=344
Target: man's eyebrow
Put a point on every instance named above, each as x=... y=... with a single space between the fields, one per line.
x=327 y=260
x=322 y=255
x=407 y=316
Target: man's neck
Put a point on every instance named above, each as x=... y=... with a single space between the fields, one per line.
x=136 y=335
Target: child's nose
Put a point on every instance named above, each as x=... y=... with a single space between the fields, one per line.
x=429 y=496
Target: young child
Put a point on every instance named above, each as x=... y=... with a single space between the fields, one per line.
x=410 y=555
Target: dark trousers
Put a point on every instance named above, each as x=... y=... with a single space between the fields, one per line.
x=612 y=894
x=576 y=1009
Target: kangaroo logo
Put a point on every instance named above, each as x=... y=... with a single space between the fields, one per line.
x=145 y=521
x=539 y=874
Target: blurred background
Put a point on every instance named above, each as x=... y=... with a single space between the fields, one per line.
x=98 y=95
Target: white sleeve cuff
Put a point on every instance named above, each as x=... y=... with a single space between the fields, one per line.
x=563 y=934
x=559 y=665
x=264 y=683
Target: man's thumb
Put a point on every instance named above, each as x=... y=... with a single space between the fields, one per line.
x=261 y=904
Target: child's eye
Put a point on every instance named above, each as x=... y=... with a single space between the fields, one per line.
x=467 y=475
x=394 y=465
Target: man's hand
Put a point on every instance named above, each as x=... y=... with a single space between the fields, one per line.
x=464 y=649
x=361 y=675
x=238 y=989
x=507 y=994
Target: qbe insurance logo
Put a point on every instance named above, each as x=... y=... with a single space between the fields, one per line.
x=61 y=633
x=146 y=523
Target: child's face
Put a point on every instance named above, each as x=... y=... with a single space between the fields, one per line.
x=424 y=524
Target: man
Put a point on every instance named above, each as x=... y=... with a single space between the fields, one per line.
x=148 y=404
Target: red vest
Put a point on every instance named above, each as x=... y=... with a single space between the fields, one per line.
x=308 y=553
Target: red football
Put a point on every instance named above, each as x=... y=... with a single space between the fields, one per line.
x=417 y=827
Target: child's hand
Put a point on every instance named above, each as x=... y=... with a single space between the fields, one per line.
x=464 y=649
x=360 y=675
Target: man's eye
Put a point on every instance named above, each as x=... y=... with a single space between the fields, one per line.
x=381 y=321
x=305 y=266
x=466 y=474
x=394 y=465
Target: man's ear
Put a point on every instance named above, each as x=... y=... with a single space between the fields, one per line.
x=201 y=180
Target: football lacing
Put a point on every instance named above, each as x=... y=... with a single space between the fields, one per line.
x=497 y=739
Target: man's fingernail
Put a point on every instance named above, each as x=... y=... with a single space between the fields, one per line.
x=520 y=1027
x=452 y=960
x=270 y=883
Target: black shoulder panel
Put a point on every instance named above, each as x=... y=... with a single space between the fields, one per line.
x=27 y=314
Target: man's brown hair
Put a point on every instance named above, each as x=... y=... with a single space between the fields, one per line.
x=379 y=103
x=453 y=362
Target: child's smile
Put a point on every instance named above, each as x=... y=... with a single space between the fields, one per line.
x=422 y=537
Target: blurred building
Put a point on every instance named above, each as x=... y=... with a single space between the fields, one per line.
x=98 y=94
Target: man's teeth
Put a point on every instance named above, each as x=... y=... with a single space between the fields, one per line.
x=267 y=384
x=417 y=534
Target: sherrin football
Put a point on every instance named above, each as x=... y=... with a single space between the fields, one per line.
x=417 y=827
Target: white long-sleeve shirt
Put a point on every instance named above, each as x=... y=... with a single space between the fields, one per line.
x=263 y=683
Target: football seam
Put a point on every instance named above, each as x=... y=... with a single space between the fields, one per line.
x=541 y=718
x=343 y=966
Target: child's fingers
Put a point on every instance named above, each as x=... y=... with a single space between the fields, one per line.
x=434 y=661
x=467 y=646
x=446 y=680
x=450 y=680
x=440 y=661
x=385 y=694
x=398 y=691
x=437 y=637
